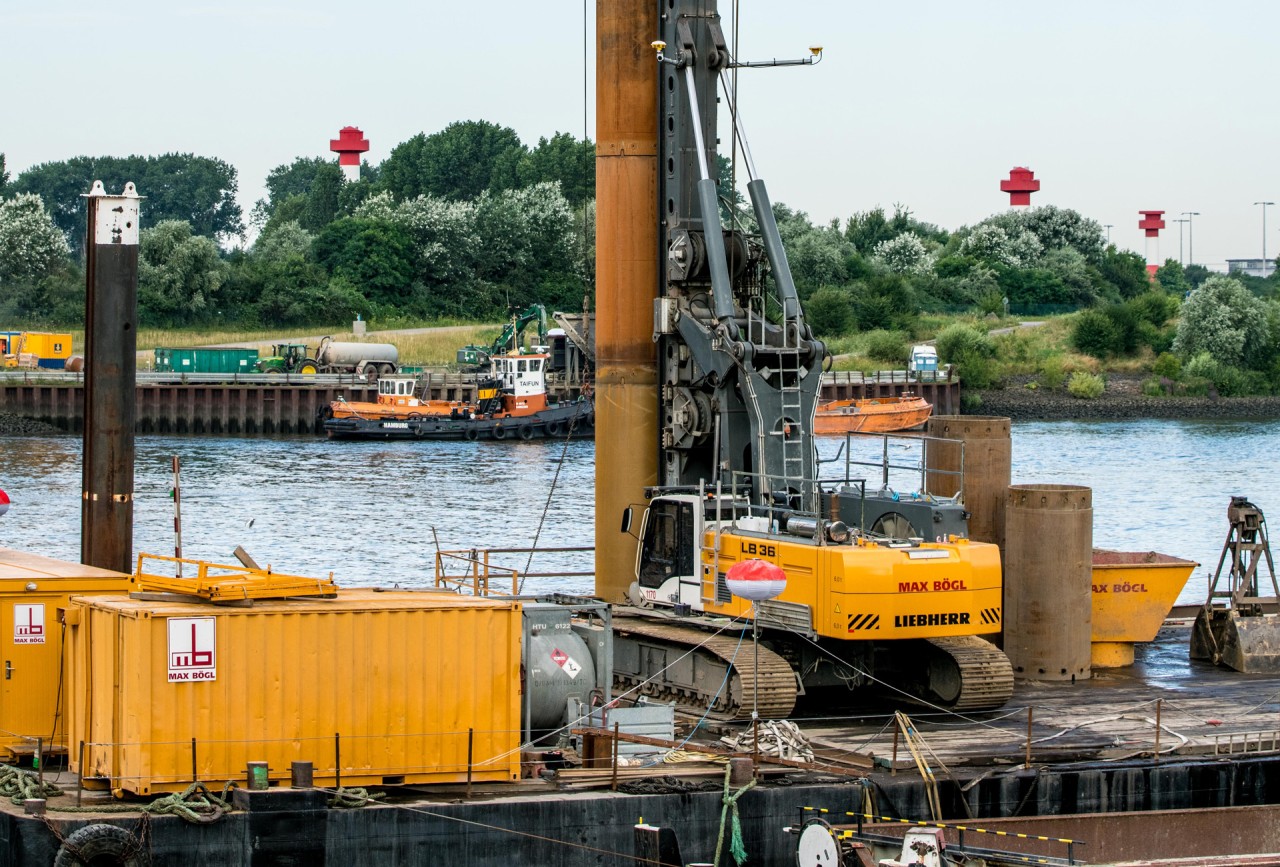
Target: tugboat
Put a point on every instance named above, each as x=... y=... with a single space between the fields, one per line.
x=511 y=403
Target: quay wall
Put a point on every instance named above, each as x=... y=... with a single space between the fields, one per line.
x=237 y=409
x=571 y=829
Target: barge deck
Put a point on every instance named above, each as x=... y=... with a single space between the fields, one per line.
x=1093 y=748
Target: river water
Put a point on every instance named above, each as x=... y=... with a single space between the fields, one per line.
x=372 y=513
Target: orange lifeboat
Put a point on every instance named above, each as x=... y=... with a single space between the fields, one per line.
x=872 y=415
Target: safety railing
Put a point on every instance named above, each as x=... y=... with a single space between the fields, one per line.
x=387 y=758
x=480 y=575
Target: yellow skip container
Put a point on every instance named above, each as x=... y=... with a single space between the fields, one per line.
x=1133 y=592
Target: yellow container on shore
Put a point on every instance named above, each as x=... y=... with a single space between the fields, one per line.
x=385 y=687
x=32 y=589
x=1133 y=592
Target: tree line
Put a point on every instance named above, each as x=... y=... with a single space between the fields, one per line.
x=469 y=222
x=465 y=222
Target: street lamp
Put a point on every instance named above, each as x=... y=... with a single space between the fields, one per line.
x=1108 y=226
x=1191 y=242
x=1264 y=235
x=1180 y=222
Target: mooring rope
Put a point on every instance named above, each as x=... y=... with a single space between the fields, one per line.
x=19 y=785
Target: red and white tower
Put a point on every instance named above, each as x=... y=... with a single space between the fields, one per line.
x=349 y=144
x=1021 y=184
x=1152 y=224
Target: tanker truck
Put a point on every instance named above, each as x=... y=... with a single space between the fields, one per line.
x=331 y=356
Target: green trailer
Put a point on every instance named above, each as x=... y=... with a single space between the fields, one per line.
x=206 y=359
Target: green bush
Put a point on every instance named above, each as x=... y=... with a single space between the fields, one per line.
x=959 y=339
x=1226 y=381
x=1053 y=372
x=1160 y=339
x=1157 y=308
x=1086 y=386
x=1167 y=365
x=977 y=370
x=829 y=311
x=888 y=346
x=970 y=403
x=1095 y=333
x=1153 y=386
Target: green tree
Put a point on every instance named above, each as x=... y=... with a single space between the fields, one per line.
x=31 y=247
x=817 y=256
x=1196 y=275
x=461 y=161
x=884 y=302
x=868 y=229
x=322 y=198
x=200 y=191
x=829 y=311
x=373 y=256
x=1122 y=275
x=1172 y=278
x=564 y=159
x=179 y=275
x=1225 y=320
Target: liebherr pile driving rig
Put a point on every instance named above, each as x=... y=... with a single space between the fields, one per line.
x=737 y=378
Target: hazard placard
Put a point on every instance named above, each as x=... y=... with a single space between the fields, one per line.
x=558 y=656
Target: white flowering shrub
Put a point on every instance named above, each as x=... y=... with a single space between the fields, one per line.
x=996 y=245
x=1223 y=319
x=904 y=254
x=31 y=246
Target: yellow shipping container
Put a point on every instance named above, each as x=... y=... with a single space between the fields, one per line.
x=46 y=345
x=391 y=681
x=32 y=589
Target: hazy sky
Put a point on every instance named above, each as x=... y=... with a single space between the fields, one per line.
x=1116 y=105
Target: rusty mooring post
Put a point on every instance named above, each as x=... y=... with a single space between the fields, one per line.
x=110 y=346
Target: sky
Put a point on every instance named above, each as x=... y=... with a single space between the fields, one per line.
x=1116 y=105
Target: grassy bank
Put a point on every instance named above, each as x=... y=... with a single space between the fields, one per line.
x=430 y=344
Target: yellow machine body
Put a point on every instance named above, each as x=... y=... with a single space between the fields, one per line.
x=866 y=591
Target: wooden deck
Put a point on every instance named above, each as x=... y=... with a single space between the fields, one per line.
x=1202 y=710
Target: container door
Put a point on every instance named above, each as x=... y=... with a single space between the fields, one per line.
x=29 y=681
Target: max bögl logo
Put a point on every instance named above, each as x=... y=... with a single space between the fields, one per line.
x=192 y=649
x=28 y=623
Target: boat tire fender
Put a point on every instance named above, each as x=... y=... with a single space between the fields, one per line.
x=525 y=431
x=101 y=844
x=470 y=434
x=499 y=432
x=554 y=428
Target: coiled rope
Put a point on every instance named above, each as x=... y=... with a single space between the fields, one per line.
x=19 y=785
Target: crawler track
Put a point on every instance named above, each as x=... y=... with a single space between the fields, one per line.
x=688 y=665
x=980 y=676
